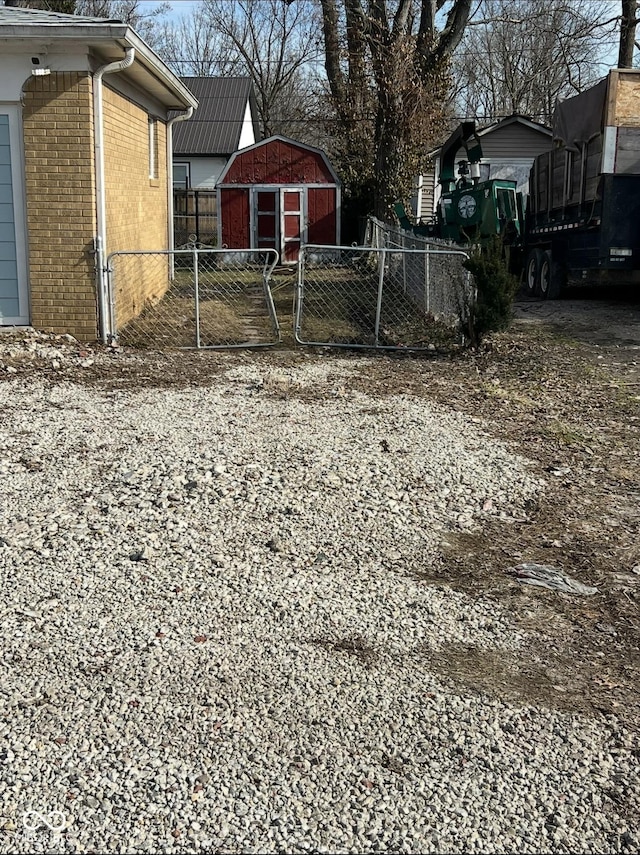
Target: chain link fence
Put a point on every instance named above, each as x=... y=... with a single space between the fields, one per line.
x=400 y=291
x=193 y=298
x=437 y=278
x=381 y=296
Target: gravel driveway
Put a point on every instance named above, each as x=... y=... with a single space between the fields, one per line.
x=218 y=634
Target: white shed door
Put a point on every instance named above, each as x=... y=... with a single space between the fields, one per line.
x=13 y=291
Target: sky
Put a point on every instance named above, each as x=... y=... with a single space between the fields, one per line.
x=179 y=6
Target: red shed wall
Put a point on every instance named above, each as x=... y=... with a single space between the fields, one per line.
x=279 y=162
x=321 y=210
x=234 y=216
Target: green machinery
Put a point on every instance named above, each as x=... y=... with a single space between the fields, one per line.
x=470 y=210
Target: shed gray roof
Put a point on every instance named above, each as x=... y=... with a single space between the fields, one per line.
x=216 y=126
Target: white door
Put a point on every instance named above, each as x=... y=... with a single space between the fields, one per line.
x=291 y=225
x=13 y=268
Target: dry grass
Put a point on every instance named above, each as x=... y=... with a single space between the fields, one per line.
x=339 y=308
x=232 y=311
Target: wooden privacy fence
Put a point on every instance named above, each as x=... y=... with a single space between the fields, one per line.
x=195 y=212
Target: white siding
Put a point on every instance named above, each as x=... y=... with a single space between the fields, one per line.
x=15 y=68
x=205 y=171
x=514 y=140
x=247 y=137
x=426 y=189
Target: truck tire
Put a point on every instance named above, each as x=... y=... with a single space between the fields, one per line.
x=531 y=273
x=552 y=277
x=544 y=275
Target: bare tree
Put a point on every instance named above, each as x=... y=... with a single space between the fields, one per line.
x=386 y=64
x=193 y=47
x=274 y=42
x=68 y=7
x=133 y=12
x=520 y=56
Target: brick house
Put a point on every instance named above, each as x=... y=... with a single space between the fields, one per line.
x=85 y=168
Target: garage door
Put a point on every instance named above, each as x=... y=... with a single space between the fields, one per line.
x=13 y=303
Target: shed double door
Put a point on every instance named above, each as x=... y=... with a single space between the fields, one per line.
x=280 y=223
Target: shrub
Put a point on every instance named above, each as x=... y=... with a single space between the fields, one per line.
x=495 y=288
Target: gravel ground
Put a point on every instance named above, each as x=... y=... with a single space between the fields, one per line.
x=214 y=638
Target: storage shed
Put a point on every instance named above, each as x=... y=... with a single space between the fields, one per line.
x=278 y=194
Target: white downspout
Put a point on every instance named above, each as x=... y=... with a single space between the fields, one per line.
x=101 y=210
x=180 y=118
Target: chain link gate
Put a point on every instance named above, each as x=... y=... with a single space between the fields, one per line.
x=193 y=298
x=382 y=297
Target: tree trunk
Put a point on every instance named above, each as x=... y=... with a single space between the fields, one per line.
x=627 y=33
x=385 y=74
x=388 y=165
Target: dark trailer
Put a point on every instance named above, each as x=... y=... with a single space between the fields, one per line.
x=583 y=216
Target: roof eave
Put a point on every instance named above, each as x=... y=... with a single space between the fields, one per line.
x=95 y=35
x=158 y=68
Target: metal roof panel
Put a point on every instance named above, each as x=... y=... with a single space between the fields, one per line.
x=216 y=126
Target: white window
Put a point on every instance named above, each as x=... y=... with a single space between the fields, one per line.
x=153 y=147
x=181 y=179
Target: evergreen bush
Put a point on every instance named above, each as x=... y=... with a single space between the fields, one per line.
x=495 y=287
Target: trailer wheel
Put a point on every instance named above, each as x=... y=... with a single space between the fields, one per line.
x=552 y=277
x=544 y=275
x=531 y=272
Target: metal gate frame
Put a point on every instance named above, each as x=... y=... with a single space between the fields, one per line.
x=382 y=252
x=196 y=253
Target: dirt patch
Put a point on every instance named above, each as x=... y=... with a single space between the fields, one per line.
x=527 y=678
x=613 y=321
x=355 y=646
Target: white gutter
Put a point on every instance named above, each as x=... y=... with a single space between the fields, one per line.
x=180 y=118
x=102 y=288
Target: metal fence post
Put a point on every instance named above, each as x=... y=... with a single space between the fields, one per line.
x=111 y=291
x=427 y=280
x=383 y=253
x=298 y=297
x=404 y=271
x=196 y=288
